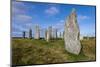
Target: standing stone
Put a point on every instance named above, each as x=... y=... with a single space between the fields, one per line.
x=56 y=33
x=60 y=35
x=30 y=33
x=81 y=37
x=63 y=35
x=72 y=34
x=49 y=34
x=45 y=34
x=53 y=33
x=37 y=32
x=23 y=34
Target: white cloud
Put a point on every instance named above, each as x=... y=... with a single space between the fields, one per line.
x=52 y=10
x=17 y=3
x=59 y=25
x=23 y=18
x=17 y=7
x=20 y=7
x=62 y=21
x=23 y=23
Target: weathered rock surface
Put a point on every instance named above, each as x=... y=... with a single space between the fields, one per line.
x=72 y=34
x=49 y=34
x=37 y=32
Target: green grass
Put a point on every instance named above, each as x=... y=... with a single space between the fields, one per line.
x=30 y=51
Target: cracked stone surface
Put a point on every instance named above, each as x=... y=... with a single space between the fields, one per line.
x=72 y=34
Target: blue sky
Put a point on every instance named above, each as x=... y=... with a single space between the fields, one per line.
x=26 y=15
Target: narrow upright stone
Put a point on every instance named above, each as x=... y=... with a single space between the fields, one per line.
x=37 y=32
x=60 y=35
x=63 y=35
x=56 y=33
x=72 y=34
x=49 y=34
x=81 y=37
x=24 y=34
x=45 y=35
x=30 y=33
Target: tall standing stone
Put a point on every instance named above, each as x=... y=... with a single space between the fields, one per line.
x=72 y=34
x=60 y=35
x=56 y=33
x=24 y=34
x=63 y=35
x=45 y=35
x=49 y=34
x=30 y=33
x=37 y=32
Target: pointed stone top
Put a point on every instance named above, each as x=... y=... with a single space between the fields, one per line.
x=73 y=10
x=50 y=26
x=36 y=24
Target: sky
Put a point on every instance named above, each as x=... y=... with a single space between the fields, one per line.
x=26 y=15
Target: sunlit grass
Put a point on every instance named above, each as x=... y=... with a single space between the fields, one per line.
x=30 y=51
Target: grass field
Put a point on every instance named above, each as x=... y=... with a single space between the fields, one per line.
x=30 y=51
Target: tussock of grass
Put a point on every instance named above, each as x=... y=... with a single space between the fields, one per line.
x=89 y=49
x=26 y=51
